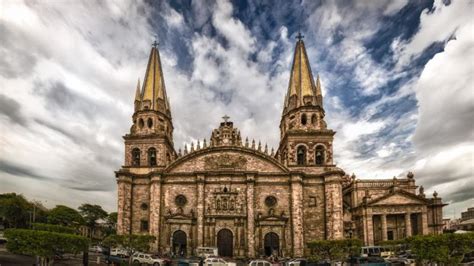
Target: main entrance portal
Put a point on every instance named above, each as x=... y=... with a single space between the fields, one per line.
x=179 y=243
x=271 y=244
x=225 y=243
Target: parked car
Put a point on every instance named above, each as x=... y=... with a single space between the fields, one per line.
x=2 y=238
x=260 y=263
x=114 y=260
x=118 y=252
x=143 y=258
x=95 y=249
x=213 y=261
x=205 y=252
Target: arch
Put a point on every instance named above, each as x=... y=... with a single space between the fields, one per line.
x=225 y=243
x=319 y=155
x=301 y=155
x=136 y=157
x=271 y=244
x=149 y=122
x=314 y=119
x=179 y=242
x=304 y=119
x=141 y=123
x=152 y=157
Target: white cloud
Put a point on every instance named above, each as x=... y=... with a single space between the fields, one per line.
x=435 y=26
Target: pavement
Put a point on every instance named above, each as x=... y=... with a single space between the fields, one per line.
x=7 y=258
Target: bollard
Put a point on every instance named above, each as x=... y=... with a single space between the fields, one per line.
x=98 y=259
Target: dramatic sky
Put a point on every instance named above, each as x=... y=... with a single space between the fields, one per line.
x=397 y=76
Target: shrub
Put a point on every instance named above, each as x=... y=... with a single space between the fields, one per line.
x=54 y=228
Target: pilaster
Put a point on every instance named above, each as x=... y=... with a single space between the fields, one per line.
x=334 y=216
x=200 y=209
x=155 y=209
x=384 y=227
x=250 y=215
x=124 y=214
x=408 y=232
x=297 y=215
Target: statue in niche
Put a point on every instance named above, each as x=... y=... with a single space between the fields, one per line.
x=218 y=204
x=224 y=204
x=271 y=212
x=180 y=210
x=231 y=205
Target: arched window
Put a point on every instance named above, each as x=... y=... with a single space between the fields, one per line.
x=301 y=155
x=150 y=122
x=303 y=119
x=319 y=155
x=152 y=157
x=141 y=123
x=136 y=157
x=314 y=119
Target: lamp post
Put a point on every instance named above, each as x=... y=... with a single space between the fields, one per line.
x=350 y=245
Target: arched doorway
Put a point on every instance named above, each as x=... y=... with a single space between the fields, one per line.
x=225 y=243
x=271 y=244
x=179 y=243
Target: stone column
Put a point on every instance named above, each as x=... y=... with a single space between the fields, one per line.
x=407 y=225
x=250 y=216
x=200 y=210
x=334 y=216
x=384 y=227
x=124 y=211
x=424 y=222
x=369 y=230
x=155 y=210
x=297 y=215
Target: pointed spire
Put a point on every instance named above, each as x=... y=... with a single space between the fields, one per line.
x=185 y=149
x=266 y=149
x=204 y=145
x=179 y=152
x=192 y=146
x=272 y=153
x=301 y=82
x=319 y=95
x=259 y=146
x=198 y=147
x=253 y=144
x=247 y=142
x=154 y=89
x=138 y=94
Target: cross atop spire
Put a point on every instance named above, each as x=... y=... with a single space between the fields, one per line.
x=155 y=43
x=226 y=118
x=299 y=36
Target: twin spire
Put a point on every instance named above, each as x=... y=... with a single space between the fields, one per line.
x=302 y=89
x=152 y=95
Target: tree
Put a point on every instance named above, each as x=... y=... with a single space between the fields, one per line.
x=111 y=224
x=448 y=249
x=15 y=209
x=44 y=244
x=334 y=250
x=92 y=213
x=64 y=215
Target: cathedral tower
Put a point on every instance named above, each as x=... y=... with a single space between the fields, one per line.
x=305 y=140
x=150 y=142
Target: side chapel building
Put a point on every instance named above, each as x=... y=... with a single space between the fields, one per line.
x=236 y=195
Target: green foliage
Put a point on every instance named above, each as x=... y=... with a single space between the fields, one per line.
x=43 y=243
x=15 y=209
x=92 y=213
x=334 y=249
x=112 y=218
x=446 y=248
x=64 y=215
x=54 y=228
x=130 y=242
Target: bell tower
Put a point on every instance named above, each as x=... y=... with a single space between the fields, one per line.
x=305 y=140
x=150 y=141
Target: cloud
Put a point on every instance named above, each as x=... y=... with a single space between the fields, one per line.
x=12 y=110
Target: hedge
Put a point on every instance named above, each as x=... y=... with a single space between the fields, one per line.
x=43 y=243
x=54 y=228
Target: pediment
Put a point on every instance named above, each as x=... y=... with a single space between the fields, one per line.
x=397 y=198
x=226 y=159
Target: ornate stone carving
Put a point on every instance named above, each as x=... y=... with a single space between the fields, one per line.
x=215 y=162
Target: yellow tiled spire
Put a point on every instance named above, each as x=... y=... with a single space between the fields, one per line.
x=154 y=89
x=138 y=94
x=301 y=78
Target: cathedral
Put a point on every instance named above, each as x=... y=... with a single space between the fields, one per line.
x=233 y=194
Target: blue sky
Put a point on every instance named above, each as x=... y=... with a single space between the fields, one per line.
x=397 y=81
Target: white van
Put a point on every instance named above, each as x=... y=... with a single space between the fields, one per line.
x=205 y=252
x=371 y=251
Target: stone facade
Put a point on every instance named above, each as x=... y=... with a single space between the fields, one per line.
x=248 y=201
